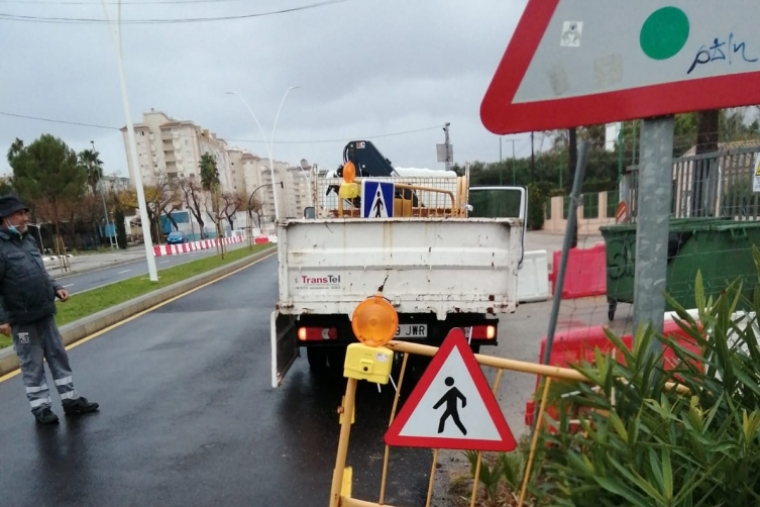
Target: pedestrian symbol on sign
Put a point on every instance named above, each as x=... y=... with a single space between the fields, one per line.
x=452 y=407
x=434 y=414
x=378 y=207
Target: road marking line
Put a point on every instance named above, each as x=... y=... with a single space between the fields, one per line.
x=125 y=271
x=69 y=285
x=91 y=337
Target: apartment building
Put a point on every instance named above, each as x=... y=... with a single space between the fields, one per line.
x=237 y=171
x=292 y=186
x=169 y=148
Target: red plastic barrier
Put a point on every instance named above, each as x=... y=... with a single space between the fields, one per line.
x=261 y=240
x=586 y=273
x=573 y=346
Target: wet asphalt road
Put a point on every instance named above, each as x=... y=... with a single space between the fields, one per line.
x=188 y=418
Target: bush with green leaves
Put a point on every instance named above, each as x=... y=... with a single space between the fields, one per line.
x=641 y=443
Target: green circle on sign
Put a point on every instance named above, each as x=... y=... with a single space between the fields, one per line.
x=664 y=33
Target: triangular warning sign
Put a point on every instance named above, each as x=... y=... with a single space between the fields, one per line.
x=452 y=406
x=573 y=62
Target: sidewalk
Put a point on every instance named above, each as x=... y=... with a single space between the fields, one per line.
x=84 y=263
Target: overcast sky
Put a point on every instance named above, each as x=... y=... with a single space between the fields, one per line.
x=364 y=67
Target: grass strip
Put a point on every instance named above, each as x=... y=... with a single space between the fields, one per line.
x=81 y=305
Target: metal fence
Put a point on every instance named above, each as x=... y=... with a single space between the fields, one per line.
x=709 y=185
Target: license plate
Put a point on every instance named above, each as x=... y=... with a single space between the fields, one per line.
x=411 y=331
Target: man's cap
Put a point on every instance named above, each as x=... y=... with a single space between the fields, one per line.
x=10 y=204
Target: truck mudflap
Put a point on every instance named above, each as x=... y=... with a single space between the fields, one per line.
x=284 y=345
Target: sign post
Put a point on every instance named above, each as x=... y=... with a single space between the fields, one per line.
x=654 y=196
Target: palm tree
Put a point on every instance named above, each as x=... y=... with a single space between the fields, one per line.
x=209 y=172
x=90 y=160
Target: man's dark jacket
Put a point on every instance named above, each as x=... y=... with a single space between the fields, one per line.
x=27 y=291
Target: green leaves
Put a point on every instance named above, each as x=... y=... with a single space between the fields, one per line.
x=655 y=447
x=47 y=169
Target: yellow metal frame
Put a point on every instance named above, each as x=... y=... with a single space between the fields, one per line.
x=340 y=492
x=455 y=207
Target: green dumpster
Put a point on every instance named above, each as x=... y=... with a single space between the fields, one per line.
x=720 y=248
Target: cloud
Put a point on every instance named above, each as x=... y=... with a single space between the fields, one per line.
x=363 y=66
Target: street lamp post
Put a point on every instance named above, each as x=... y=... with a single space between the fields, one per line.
x=39 y=235
x=105 y=208
x=144 y=220
x=268 y=144
x=249 y=203
x=309 y=184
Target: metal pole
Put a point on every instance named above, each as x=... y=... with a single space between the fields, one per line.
x=345 y=432
x=532 y=160
x=501 y=160
x=653 y=219
x=572 y=218
x=446 y=143
x=268 y=144
x=633 y=152
x=561 y=166
x=147 y=240
x=514 y=169
x=102 y=194
x=620 y=152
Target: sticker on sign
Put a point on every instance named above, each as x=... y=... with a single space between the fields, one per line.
x=622 y=60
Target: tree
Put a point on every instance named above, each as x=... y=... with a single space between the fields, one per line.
x=121 y=228
x=93 y=166
x=192 y=193
x=6 y=188
x=253 y=205
x=209 y=172
x=233 y=202
x=161 y=199
x=46 y=173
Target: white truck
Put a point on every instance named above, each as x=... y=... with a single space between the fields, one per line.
x=440 y=271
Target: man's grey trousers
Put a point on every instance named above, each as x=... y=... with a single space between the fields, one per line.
x=33 y=343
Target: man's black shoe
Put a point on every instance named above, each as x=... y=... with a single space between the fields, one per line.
x=45 y=416
x=79 y=406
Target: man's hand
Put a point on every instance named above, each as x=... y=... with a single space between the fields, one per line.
x=5 y=329
x=63 y=295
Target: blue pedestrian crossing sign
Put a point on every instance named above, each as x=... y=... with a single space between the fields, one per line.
x=377 y=199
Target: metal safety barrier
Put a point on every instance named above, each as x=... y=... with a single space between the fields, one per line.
x=340 y=492
x=374 y=323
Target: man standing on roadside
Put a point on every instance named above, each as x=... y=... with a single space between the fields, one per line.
x=27 y=312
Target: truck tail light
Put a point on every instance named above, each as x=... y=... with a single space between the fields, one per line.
x=483 y=332
x=314 y=334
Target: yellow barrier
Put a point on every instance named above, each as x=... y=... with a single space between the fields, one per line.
x=374 y=323
x=437 y=202
x=341 y=488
